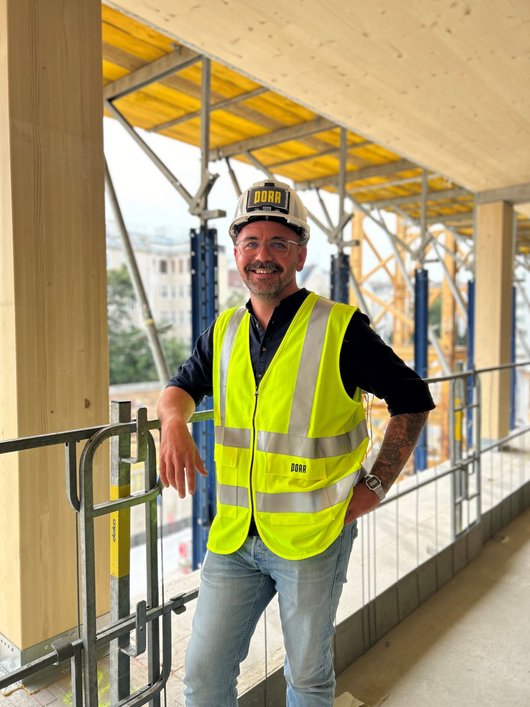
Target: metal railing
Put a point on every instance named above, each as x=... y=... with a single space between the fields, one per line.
x=151 y=620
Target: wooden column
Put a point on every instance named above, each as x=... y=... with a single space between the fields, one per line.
x=356 y=254
x=53 y=348
x=494 y=253
x=400 y=332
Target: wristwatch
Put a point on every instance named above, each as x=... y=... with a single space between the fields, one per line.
x=374 y=484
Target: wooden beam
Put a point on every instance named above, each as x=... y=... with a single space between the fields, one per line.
x=514 y=194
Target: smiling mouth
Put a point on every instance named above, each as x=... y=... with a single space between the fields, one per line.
x=264 y=269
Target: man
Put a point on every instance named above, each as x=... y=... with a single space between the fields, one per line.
x=286 y=374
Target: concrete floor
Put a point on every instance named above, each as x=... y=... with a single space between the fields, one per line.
x=469 y=644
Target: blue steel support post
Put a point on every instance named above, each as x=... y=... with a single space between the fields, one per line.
x=421 y=362
x=470 y=356
x=204 y=311
x=513 y=387
x=340 y=277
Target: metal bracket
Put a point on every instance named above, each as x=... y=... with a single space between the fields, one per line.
x=196 y=206
x=141 y=623
x=178 y=603
x=63 y=648
x=202 y=193
x=141 y=438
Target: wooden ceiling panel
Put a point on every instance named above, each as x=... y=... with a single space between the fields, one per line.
x=264 y=121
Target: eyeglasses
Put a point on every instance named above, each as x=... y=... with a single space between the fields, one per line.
x=280 y=246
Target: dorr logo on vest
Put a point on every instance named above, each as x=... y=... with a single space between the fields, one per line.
x=299 y=468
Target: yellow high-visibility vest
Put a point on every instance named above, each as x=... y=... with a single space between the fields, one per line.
x=288 y=452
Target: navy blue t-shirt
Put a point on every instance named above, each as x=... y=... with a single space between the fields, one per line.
x=366 y=362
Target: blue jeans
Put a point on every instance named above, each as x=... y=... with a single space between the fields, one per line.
x=235 y=590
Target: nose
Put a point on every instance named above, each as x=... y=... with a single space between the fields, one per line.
x=263 y=246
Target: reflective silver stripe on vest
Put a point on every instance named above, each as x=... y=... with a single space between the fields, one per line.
x=312 y=448
x=306 y=381
x=226 y=352
x=233 y=495
x=307 y=501
x=232 y=437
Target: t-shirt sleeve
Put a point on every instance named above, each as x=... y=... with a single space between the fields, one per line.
x=370 y=364
x=195 y=374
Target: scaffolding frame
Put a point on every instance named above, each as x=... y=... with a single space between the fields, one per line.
x=420 y=243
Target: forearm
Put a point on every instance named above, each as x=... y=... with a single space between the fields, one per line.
x=179 y=457
x=401 y=436
x=175 y=404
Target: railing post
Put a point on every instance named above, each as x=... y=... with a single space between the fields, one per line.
x=470 y=355
x=421 y=360
x=120 y=543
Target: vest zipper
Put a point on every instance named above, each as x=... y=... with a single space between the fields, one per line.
x=253 y=441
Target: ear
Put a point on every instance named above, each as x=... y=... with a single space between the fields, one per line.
x=302 y=255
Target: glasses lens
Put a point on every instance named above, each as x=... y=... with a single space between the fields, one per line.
x=276 y=246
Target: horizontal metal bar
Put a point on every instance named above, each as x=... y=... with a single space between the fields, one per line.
x=392 y=183
x=220 y=105
x=275 y=137
x=124 y=626
x=423 y=484
x=45 y=661
x=356 y=175
x=101 y=509
x=120 y=628
x=451 y=218
x=48 y=440
x=320 y=153
x=151 y=73
x=504 y=440
x=416 y=198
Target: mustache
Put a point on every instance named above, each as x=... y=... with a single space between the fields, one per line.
x=263 y=265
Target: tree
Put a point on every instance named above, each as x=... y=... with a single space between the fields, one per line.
x=130 y=357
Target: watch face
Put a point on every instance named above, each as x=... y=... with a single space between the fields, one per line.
x=372 y=482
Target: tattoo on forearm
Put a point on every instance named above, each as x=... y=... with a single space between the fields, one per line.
x=400 y=438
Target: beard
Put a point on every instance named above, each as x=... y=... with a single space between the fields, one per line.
x=266 y=279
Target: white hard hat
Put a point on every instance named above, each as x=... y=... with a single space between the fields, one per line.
x=273 y=201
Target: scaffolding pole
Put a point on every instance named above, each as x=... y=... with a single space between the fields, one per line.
x=141 y=296
x=204 y=311
x=421 y=362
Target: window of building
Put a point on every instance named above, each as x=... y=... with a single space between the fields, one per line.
x=163 y=266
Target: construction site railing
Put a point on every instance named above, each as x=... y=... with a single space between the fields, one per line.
x=152 y=616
